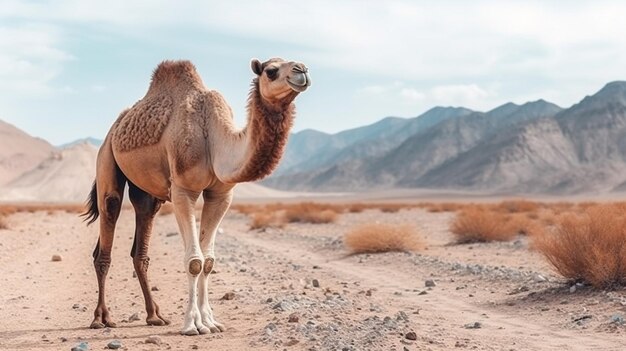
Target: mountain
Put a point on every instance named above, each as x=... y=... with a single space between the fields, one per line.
x=579 y=150
x=19 y=152
x=310 y=149
x=89 y=140
x=421 y=149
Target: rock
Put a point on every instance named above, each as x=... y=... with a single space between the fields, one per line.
x=402 y=316
x=316 y=283
x=83 y=346
x=294 y=318
x=134 y=317
x=134 y=274
x=617 y=319
x=572 y=289
x=292 y=342
x=57 y=258
x=75 y=306
x=171 y=234
x=410 y=336
x=475 y=325
x=228 y=296
x=114 y=345
x=538 y=278
x=429 y=283
x=154 y=339
x=270 y=329
x=423 y=292
x=220 y=231
x=154 y=288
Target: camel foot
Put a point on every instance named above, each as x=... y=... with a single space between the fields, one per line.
x=96 y=324
x=157 y=321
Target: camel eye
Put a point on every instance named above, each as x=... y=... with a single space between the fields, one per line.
x=271 y=73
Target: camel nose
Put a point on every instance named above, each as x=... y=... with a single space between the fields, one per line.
x=300 y=68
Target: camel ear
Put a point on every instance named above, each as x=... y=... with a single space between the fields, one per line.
x=257 y=67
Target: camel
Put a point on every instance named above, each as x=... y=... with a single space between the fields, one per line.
x=177 y=142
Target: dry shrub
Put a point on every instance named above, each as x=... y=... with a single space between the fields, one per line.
x=9 y=209
x=589 y=247
x=3 y=222
x=310 y=212
x=478 y=225
x=517 y=206
x=263 y=220
x=378 y=237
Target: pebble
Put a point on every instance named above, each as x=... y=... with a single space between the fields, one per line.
x=83 y=346
x=475 y=325
x=114 y=345
x=429 y=283
x=134 y=274
x=57 y=258
x=617 y=319
x=228 y=296
x=134 y=317
x=155 y=288
x=411 y=336
x=538 y=278
x=316 y=283
x=171 y=234
x=294 y=318
x=572 y=289
x=153 y=339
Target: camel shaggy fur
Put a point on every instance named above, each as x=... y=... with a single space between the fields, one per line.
x=179 y=142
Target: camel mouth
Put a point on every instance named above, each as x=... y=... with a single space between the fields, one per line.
x=299 y=82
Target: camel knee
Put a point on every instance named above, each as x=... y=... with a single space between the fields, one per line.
x=208 y=265
x=102 y=264
x=195 y=266
x=112 y=206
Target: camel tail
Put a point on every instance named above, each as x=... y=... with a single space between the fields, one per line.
x=91 y=212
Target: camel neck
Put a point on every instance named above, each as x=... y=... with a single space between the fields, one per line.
x=265 y=137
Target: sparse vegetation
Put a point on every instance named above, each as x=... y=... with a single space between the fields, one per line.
x=267 y=219
x=479 y=225
x=9 y=209
x=310 y=212
x=589 y=247
x=378 y=237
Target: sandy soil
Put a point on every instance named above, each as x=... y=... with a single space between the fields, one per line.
x=363 y=302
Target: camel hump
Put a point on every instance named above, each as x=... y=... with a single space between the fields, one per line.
x=143 y=124
x=171 y=74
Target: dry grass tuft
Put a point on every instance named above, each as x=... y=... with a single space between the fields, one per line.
x=310 y=212
x=517 y=206
x=267 y=219
x=589 y=247
x=478 y=225
x=377 y=237
x=9 y=209
x=3 y=222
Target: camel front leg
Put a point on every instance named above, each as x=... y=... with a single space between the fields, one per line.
x=184 y=201
x=214 y=209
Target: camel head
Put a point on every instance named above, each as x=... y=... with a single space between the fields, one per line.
x=280 y=81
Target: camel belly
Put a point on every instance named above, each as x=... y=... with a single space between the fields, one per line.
x=147 y=169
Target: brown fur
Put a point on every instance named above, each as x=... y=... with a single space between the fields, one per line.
x=270 y=126
x=143 y=124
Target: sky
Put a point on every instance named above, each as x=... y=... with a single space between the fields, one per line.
x=69 y=67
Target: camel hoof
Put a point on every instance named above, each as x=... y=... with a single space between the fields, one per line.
x=190 y=332
x=195 y=266
x=204 y=330
x=157 y=321
x=220 y=326
x=96 y=325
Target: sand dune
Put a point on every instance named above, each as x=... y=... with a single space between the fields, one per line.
x=19 y=152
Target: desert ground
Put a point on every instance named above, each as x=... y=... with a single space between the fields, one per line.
x=299 y=288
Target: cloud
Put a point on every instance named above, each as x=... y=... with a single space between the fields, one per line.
x=468 y=95
x=30 y=59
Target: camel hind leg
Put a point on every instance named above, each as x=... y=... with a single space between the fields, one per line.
x=146 y=207
x=108 y=191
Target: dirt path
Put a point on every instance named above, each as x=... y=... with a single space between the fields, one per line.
x=365 y=302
